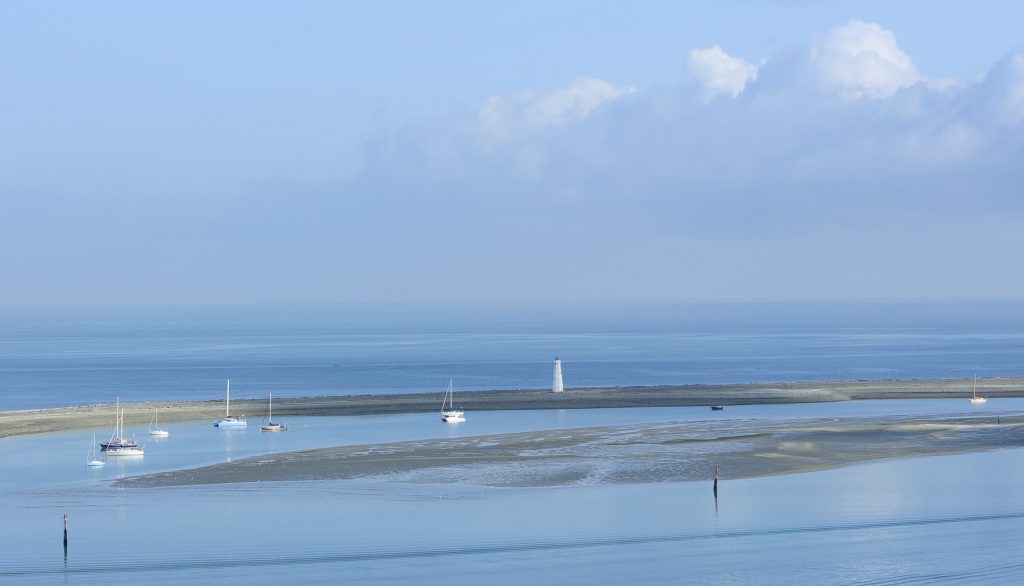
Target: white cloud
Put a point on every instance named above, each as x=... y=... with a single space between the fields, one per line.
x=503 y=116
x=718 y=72
x=1009 y=79
x=575 y=102
x=862 y=60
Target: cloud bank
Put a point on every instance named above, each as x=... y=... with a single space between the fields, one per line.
x=848 y=116
x=833 y=170
x=836 y=154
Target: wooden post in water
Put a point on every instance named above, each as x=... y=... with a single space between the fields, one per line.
x=715 y=486
x=65 y=538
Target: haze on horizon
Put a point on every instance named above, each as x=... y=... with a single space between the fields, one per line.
x=257 y=152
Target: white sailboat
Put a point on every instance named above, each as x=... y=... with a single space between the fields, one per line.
x=271 y=426
x=92 y=460
x=449 y=414
x=154 y=426
x=975 y=399
x=119 y=445
x=229 y=419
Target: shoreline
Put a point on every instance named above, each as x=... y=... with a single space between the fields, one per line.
x=24 y=422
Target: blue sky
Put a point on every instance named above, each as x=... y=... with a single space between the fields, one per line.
x=255 y=152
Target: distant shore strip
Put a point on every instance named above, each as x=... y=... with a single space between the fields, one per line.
x=49 y=420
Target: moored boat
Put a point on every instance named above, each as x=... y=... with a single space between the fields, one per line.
x=229 y=420
x=270 y=425
x=117 y=440
x=92 y=460
x=975 y=399
x=118 y=444
x=451 y=414
x=154 y=426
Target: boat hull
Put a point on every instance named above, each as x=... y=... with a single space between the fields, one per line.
x=229 y=423
x=118 y=445
x=453 y=416
x=126 y=452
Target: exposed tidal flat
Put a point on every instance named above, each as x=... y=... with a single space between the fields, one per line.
x=672 y=452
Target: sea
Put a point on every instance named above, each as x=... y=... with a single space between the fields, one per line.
x=53 y=357
x=926 y=520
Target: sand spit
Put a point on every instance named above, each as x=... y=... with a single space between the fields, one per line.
x=48 y=420
x=621 y=454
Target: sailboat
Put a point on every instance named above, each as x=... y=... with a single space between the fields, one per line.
x=271 y=426
x=451 y=414
x=154 y=426
x=92 y=460
x=118 y=444
x=229 y=419
x=975 y=399
x=117 y=440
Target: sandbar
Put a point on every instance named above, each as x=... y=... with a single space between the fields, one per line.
x=49 y=420
x=622 y=454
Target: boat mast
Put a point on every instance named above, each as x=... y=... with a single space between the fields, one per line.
x=227 y=406
x=270 y=408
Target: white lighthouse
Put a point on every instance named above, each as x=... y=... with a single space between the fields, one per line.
x=556 y=382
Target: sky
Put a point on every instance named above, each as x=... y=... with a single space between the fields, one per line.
x=527 y=152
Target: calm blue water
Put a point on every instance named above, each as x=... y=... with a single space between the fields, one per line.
x=57 y=357
x=940 y=519
x=56 y=459
x=937 y=519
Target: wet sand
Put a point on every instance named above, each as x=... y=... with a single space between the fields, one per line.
x=48 y=420
x=621 y=454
